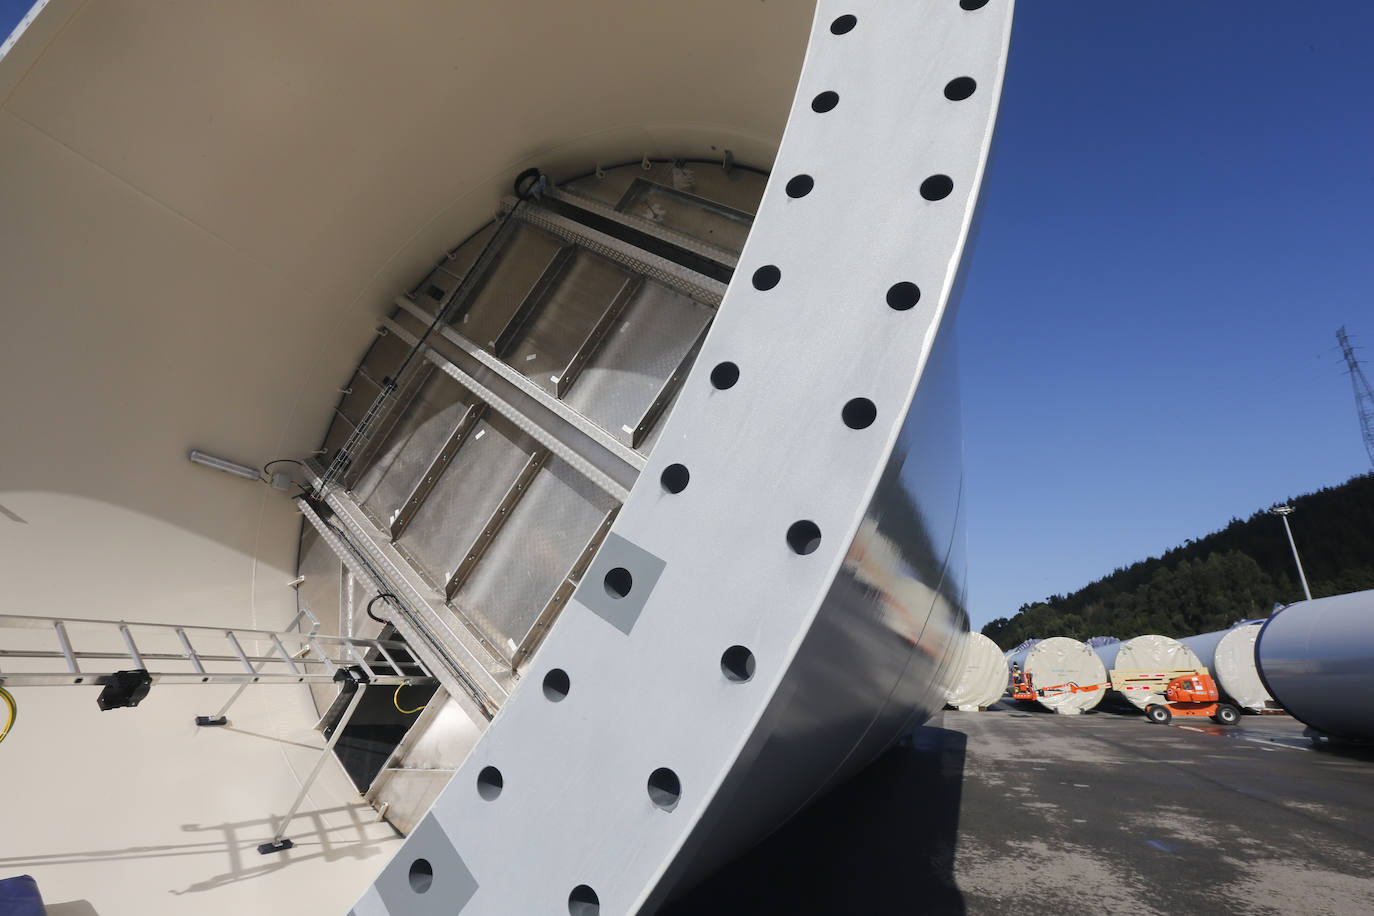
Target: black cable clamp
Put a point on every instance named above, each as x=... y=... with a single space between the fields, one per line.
x=530 y=184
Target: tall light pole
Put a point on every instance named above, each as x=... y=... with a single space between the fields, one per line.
x=1283 y=512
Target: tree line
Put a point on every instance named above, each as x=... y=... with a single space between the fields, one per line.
x=1233 y=574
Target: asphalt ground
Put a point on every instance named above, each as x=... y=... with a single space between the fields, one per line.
x=1014 y=810
x=1106 y=812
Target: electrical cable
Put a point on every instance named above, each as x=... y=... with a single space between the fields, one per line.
x=396 y=701
x=281 y=461
x=391 y=383
x=14 y=711
x=476 y=693
x=374 y=601
x=529 y=184
x=457 y=294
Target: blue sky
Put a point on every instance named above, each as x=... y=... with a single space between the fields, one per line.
x=11 y=11
x=1179 y=216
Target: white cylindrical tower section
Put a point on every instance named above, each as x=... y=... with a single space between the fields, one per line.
x=1072 y=676
x=1317 y=659
x=1230 y=656
x=981 y=677
x=1145 y=654
x=1107 y=652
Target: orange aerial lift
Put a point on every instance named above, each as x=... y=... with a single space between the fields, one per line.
x=1192 y=695
x=1023 y=689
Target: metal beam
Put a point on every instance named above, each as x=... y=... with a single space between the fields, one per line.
x=668 y=390
x=514 y=494
x=385 y=419
x=465 y=652
x=279 y=840
x=518 y=379
x=526 y=425
x=592 y=342
x=402 y=750
x=441 y=461
x=460 y=298
x=548 y=280
x=446 y=653
x=647 y=227
x=564 y=591
x=384 y=412
x=698 y=286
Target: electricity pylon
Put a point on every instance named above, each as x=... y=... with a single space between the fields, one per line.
x=1364 y=397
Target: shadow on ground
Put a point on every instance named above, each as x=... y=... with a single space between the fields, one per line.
x=882 y=843
x=72 y=908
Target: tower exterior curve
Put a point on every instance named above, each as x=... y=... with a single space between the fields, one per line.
x=834 y=555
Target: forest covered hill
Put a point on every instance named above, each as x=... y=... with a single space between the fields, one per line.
x=1241 y=571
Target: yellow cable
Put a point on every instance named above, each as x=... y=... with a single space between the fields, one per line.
x=14 y=711
x=396 y=701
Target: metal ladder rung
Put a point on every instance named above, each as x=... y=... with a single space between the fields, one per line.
x=190 y=652
x=286 y=656
x=362 y=661
x=234 y=641
x=133 y=649
x=389 y=660
x=66 y=647
x=324 y=656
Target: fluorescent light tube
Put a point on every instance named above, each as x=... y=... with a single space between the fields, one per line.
x=228 y=467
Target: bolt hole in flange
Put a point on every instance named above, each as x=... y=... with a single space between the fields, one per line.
x=421 y=875
x=675 y=478
x=902 y=296
x=804 y=537
x=800 y=186
x=843 y=25
x=556 y=685
x=971 y=5
x=825 y=101
x=583 y=902
x=767 y=277
x=724 y=375
x=956 y=90
x=665 y=789
x=859 y=413
x=490 y=783
x=937 y=187
x=618 y=582
x=737 y=664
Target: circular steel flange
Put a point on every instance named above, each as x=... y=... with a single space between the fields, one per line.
x=742 y=644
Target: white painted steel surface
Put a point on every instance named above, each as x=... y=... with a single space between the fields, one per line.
x=214 y=204
x=1060 y=661
x=1145 y=654
x=981 y=674
x=204 y=210
x=851 y=640
x=1317 y=660
x=1230 y=656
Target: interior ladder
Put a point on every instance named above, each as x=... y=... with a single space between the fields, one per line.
x=83 y=652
